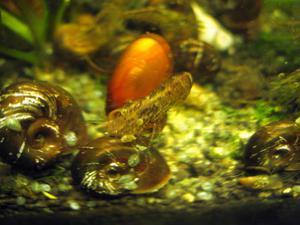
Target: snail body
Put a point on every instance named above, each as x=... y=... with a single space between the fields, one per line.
x=274 y=147
x=38 y=121
x=144 y=65
x=109 y=166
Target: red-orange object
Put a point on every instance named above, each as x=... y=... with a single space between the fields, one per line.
x=145 y=64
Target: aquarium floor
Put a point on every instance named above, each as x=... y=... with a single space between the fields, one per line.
x=275 y=212
x=203 y=144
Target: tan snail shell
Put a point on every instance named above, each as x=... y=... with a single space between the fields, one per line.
x=38 y=121
x=109 y=166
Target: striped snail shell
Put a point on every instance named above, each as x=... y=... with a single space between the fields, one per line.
x=109 y=166
x=274 y=147
x=38 y=121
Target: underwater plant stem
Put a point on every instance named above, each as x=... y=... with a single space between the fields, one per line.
x=139 y=11
x=29 y=57
x=60 y=12
x=94 y=65
x=37 y=22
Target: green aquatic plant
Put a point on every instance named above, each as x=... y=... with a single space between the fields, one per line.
x=26 y=28
x=284 y=91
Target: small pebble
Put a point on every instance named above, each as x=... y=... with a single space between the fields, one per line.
x=74 y=205
x=188 y=197
x=130 y=185
x=205 y=196
x=140 y=147
x=45 y=187
x=71 y=139
x=207 y=186
x=127 y=138
x=134 y=160
x=140 y=122
x=35 y=187
x=20 y=200
x=287 y=191
x=261 y=182
x=264 y=194
x=152 y=200
x=141 y=201
x=64 y=187
x=91 y=204
x=172 y=193
x=296 y=189
x=218 y=152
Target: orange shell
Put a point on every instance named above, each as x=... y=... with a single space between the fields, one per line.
x=144 y=65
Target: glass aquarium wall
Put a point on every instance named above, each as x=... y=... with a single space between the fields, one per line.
x=149 y=112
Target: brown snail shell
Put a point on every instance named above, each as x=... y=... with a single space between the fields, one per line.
x=274 y=147
x=38 y=121
x=109 y=166
x=199 y=58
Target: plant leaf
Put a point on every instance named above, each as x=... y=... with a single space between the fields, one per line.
x=35 y=15
x=29 y=57
x=14 y=24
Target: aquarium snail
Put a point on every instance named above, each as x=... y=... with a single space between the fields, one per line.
x=144 y=65
x=122 y=161
x=81 y=38
x=110 y=166
x=274 y=147
x=38 y=121
x=200 y=58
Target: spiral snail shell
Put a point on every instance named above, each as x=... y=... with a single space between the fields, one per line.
x=274 y=147
x=109 y=166
x=38 y=121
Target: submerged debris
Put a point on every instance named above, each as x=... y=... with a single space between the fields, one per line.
x=261 y=182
